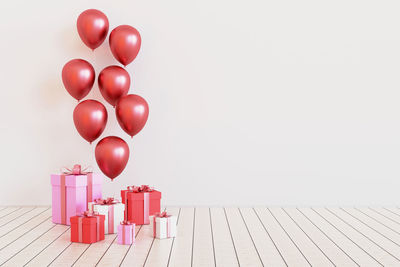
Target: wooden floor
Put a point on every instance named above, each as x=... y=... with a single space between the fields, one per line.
x=228 y=236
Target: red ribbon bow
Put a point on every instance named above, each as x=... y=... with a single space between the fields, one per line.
x=90 y=213
x=76 y=170
x=139 y=189
x=108 y=201
x=162 y=215
x=126 y=223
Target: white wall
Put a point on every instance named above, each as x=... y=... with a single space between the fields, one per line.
x=251 y=102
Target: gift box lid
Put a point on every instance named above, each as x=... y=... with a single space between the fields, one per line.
x=105 y=207
x=140 y=195
x=127 y=226
x=87 y=220
x=171 y=217
x=70 y=180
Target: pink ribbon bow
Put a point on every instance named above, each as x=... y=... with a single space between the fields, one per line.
x=76 y=170
x=139 y=189
x=90 y=213
x=125 y=222
x=162 y=215
x=108 y=201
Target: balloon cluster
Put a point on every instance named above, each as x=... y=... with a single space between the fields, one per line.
x=90 y=116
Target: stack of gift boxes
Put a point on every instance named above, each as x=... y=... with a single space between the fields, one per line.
x=77 y=201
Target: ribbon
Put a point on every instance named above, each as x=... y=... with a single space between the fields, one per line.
x=162 y=215
x=154 y=226
x=88 y=214
x=140 y=189
x=76 y=170
x=146 y=208
x=145 y=189
x=111 y=219
x=63 y=199
x=89 y=192
x=107 y=201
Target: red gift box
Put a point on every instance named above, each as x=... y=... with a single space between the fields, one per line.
x=88 y=228
x=140 y=203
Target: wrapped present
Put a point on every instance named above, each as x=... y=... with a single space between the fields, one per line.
x=87 y=228
x=140 y=203
x=71 y=192
x=164 y=225
x=154 y=197
x=126 y=233
x=113 y=210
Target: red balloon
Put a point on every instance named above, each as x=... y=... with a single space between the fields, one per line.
x=112 y=154
x=114 y=82
x=90 y=118
x=125 y=43
x=78 y=78
x=132 y=113
x=92 y=27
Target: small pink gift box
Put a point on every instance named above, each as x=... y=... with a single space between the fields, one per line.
x=71 y=193
x=126 y=233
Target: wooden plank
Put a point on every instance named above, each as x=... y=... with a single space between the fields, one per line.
x=343 y=242
x=181 y=254
x=70 y=255
x=246 y=251
x=8 y=210
x=16 y=230
x=14 y=247
x=95 y=251
x=395 y=211
x=203 y=246
x=371 y=234
x=34 y=248
x=225 y=254
x=116 y=253
x=51 y=252
x=383 y=216
x=161 y=248
x=388 y=213
x=332 y=251
x=375 y=224
x=288 y=250
x=10 y=217
x=267 y=249
x=363 y=242
x=311 y=252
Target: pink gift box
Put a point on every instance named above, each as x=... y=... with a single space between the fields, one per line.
x=71 y=194
x=126 y=233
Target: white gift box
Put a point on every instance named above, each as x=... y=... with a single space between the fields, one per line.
x=114 y=213
x=164 y=227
